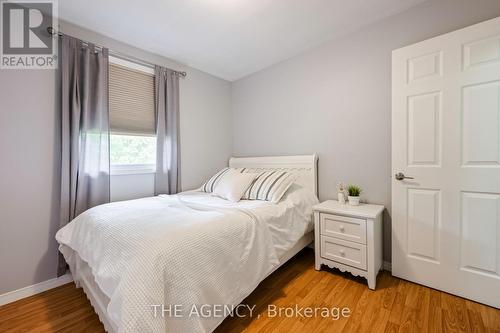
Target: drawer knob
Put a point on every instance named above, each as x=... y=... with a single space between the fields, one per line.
x=341 y=228
x=342 y=253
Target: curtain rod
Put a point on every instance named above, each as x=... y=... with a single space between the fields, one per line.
x=53 y=32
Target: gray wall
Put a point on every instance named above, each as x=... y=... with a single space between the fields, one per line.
x=29 y=155
x=335 y=100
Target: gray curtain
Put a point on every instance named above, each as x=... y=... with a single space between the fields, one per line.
x=167 y=177
x=85 y=129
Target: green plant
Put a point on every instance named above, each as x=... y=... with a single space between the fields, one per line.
x=354 y=191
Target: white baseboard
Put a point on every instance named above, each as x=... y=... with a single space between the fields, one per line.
x=15 y=295
x=387 y=266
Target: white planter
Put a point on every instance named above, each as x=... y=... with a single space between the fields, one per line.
x=353 y=201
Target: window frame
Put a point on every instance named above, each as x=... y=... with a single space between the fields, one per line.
x=130 y=169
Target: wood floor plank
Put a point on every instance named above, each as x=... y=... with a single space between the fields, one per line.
x=435 y=314
x=358 y=312
x=489 y=316
x=391 y=328
x=395 y=306
x=337 y=298
x=454 y=314
x=377 y=315
x=399 y=303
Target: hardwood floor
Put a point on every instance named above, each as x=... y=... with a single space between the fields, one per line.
x=396 y=306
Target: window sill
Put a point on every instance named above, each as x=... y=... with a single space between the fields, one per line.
x=132 y=169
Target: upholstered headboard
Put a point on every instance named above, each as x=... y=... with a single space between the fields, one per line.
x=305 y=167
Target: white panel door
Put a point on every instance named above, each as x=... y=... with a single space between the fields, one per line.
x=446 y=137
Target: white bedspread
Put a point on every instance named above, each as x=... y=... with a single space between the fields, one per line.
x=187 y=249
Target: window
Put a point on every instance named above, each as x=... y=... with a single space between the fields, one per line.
x=131 y=117
x=132 y=153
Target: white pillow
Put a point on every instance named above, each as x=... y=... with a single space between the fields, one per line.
x=233 y=185
x=210 y=184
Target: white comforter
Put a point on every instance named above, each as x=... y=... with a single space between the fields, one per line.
x=188 y=249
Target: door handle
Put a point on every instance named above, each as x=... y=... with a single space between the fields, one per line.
x=401 y=176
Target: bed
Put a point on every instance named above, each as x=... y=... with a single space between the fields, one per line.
x=134 y=256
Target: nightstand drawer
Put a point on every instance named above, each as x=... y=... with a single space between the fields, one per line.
x=348 y=228
x=348 y=253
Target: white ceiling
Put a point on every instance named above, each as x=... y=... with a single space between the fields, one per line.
x=227 y=38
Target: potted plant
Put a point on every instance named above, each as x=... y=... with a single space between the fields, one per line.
x=354 y=192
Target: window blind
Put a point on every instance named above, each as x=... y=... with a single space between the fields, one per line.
x=131 y=101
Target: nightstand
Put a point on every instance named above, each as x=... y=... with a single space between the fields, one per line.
x=349 y=238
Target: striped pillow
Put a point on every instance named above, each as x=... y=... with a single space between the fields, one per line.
x=269 y=186
x=209 y=186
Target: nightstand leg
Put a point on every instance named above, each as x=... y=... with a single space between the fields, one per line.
x=372 y=281
x=317 y=259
